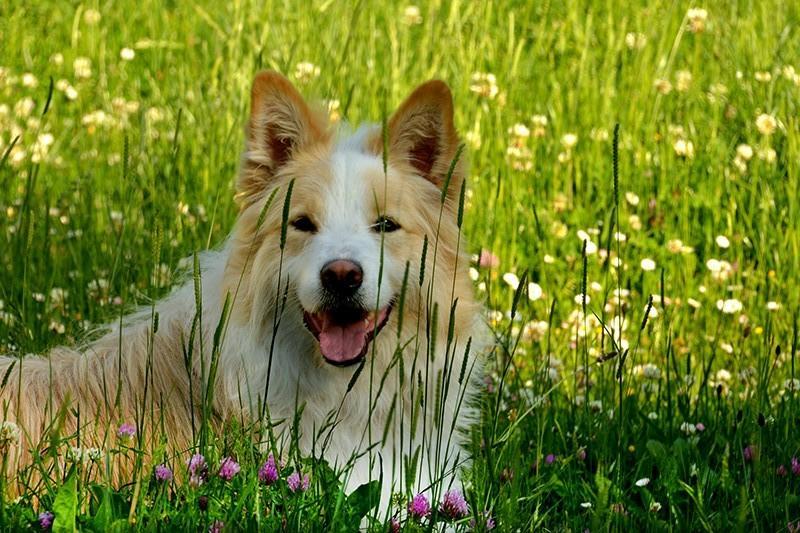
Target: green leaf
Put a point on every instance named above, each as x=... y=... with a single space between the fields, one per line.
x=65 y=506
x=364 y=498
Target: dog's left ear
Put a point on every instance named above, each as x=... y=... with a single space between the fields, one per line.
x=421 y=132
x=281 y=123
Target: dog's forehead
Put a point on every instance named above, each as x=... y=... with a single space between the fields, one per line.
x=357 y=185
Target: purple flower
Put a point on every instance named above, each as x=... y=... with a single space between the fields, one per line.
x=748 y=453
x=268 y=473
x=216 y=527
x=46 y=520
x=419 y=507
x=582 y=454
x=228 y=468
x=795 y=466
x=454 y=506
x=394 y=525
x=297 y=484
x=781 y=471
x=550 y=459
x=163 y=473
x=700 y=427
x=198 y=469
x=126 y=431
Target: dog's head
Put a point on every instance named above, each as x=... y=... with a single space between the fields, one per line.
x=351 y=225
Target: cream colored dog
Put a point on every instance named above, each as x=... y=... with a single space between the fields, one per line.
x=336 y=280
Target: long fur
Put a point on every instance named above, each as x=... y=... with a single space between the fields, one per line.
x=136 y=372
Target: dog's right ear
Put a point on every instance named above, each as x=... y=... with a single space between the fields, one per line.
x=281 y=123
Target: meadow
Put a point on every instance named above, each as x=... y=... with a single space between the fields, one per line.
x=633 y=212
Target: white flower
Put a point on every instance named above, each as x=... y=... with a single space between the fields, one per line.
x=730 y=306
x=773 y=306
x=484 y=84
x=663 y=86
x=651 y=371
x=689 y=429
x=91 y=17
x=763 y=76
x=643 y=482
x=520 y=130
x=9 y=433
x=632 y=198
x=766 y=124
x=767 y=154
x=722 y=241
x=683 y=148
x=683 y=80
x=744 y=151
x=569 y=140
x=586 y=505
x=723 y=375
x=305 y=71
x=655 y=507
x=82 y=67
x=648 y=265
x=579 y=299
x=29 y=80
x=694 y=303
x=652 y=415
x=412 y=16
x=697 y=17
x=511 y=279
x=534 y=291
x=127 y=54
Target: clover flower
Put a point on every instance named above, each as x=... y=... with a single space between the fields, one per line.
x=163 y=473
x=419 y=507
x=228 y=468
x=296 y=483
x=126 y=431
x=46 y=520
x=268 y=473
x=454 y=506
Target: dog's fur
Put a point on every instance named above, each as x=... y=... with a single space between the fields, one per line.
x=340 y=185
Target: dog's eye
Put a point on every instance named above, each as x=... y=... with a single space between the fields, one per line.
x=303 y=223
x=385 y=225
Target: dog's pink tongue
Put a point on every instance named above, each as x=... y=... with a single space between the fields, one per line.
x=342 y=343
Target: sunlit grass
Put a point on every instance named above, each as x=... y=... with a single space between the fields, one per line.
x=131 y=169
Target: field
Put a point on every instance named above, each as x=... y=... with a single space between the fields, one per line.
x=665 y=399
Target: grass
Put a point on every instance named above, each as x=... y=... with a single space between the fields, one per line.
x=586 y=398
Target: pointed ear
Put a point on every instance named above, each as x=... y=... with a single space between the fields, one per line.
x=281 y=124
x=421 y=133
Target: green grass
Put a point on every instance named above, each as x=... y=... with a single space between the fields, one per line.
x=107 y=213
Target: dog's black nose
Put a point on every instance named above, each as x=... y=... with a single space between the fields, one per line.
x=341 y=276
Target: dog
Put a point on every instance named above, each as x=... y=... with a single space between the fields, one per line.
x=340 y=308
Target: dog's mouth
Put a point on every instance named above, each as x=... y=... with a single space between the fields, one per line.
x=344 y=334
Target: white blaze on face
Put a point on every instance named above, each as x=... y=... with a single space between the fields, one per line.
x=345 y=232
